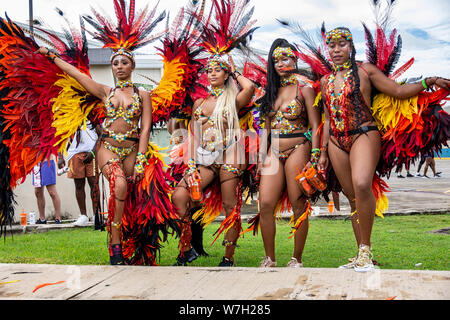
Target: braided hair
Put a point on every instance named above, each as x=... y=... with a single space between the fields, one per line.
x=355 y=72
x=355 y=93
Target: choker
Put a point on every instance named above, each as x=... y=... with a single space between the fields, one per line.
x=216 y=92
x=289 y=80
x=341 y=67
x=124 y=84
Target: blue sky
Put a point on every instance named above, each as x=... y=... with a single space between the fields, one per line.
x=423 y=24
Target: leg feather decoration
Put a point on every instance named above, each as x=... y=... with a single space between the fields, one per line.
x=212 y=205
x=234 y=219
x=297 y=223
x=149 y=215
x=379 y=188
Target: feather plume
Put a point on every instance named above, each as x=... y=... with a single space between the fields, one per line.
x=310 y=51
x=230 y=28
x=402 y=69
x=130 y=31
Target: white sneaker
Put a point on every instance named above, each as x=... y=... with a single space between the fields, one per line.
x=294 y=263
x=268 y=263
x=82 y=221
x=364 y=261
x=349 y=265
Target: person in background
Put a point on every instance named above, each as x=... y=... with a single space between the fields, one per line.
x=44 y=175
x=81 y=163
x=429 y=162
x=408 y=174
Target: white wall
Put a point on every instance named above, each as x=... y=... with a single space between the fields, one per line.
x=104 y=75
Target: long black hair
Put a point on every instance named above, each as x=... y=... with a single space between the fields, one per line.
x=355 y=92
x=355 y=72
x=273 y=79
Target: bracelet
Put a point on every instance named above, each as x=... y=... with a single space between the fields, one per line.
x=238 y=74
x=140 y=160
x=315 y=155
x=52 y=55
x=424 y=83
x=93 y=154
x=191 y=166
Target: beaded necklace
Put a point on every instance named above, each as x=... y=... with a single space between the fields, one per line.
x=336 y=103
x=125 y=83
x=216 y=91
x=340 y=67
x=292 y=79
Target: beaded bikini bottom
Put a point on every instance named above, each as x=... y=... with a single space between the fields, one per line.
x=122 y=152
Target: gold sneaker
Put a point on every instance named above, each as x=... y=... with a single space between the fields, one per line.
x=268 y=263
x=364 y=261
x=294 y=263
x=350 y=264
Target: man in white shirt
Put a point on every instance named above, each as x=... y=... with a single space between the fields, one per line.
x=81 y=163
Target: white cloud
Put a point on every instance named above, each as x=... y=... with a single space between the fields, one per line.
x=431 y=16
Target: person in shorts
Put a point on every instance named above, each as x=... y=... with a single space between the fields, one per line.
x=44 y=175
x=430 y=163
x=81 y=164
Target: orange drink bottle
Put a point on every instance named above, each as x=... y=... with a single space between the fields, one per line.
x=196 y=191
x=330 y=206
x=23 y=219
x=315 y=179
x=305 y=185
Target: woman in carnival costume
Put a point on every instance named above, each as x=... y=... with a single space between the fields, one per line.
x=139 y=208
x=368 y=114
x=355 y=141
x=216 y=154
x=293 y=124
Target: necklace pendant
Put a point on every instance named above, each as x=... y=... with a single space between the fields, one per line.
x=216 y=92
x=124 y=83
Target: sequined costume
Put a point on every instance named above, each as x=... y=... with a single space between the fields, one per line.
x=52 y=105
x=127 y=113
x=281 y=120
x=404 y=138
x=227 y=28
x=347 y=116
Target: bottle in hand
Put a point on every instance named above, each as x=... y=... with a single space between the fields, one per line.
x=196 y=190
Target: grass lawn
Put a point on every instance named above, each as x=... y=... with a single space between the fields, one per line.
x=399 y=242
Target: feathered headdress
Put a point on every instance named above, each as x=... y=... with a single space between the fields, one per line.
x=181 y=82
x=230 y=29
x=131 y=31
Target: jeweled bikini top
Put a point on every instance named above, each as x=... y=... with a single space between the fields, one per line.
x=285 y=115
x=127 y=113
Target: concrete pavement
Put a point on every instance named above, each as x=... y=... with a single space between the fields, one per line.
x=409 y=196
x=22 y=281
